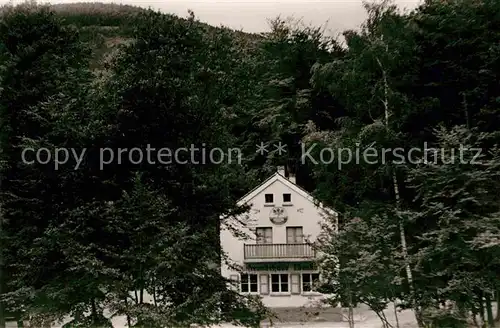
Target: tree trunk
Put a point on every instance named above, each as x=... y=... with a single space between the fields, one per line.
x=489 y=310
x=474 y=312
x=497 y=294
x=2 y=313
x=129 y=323
x=155 y=301
x=350 y=315
x=94 y=311
x=2 y=273
x=481 y=306
x=402 y=233
x=383 y=318
x=396 y=314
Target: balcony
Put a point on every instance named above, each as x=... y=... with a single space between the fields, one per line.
x=281 y=252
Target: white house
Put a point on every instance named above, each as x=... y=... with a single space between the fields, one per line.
x=276 y=258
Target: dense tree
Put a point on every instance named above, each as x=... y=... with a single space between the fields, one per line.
x=398 y=81
x=457 y=192
x=42 y=64
x=67 y=250
x=179 y=106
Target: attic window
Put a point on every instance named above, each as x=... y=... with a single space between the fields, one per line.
x=269 y=198
x=287 y=198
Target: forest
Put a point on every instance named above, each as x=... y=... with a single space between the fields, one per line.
x=418 y=229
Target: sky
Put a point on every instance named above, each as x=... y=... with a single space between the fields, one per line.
x=252 y=16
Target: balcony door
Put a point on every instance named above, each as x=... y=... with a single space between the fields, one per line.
x=264 y=235
x=294 y=235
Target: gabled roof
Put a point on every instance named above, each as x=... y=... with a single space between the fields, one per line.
x=278 y=177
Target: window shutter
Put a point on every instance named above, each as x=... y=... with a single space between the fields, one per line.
x=264 y=284
x=235 y=281
x=295 y=283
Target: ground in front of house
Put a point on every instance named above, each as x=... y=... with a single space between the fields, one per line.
x=364 y=318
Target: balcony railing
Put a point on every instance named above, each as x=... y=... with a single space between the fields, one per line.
x=278 y=251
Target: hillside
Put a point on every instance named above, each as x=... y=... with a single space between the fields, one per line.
x=107 y=25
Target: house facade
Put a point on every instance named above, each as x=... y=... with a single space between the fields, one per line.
x=275 y=258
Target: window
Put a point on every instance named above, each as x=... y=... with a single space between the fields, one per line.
x=279 y=283
x=294 y=235
x=287 y=198
x=309 y=282
x=249 y=283
x=264 y=235
x=269 y=198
